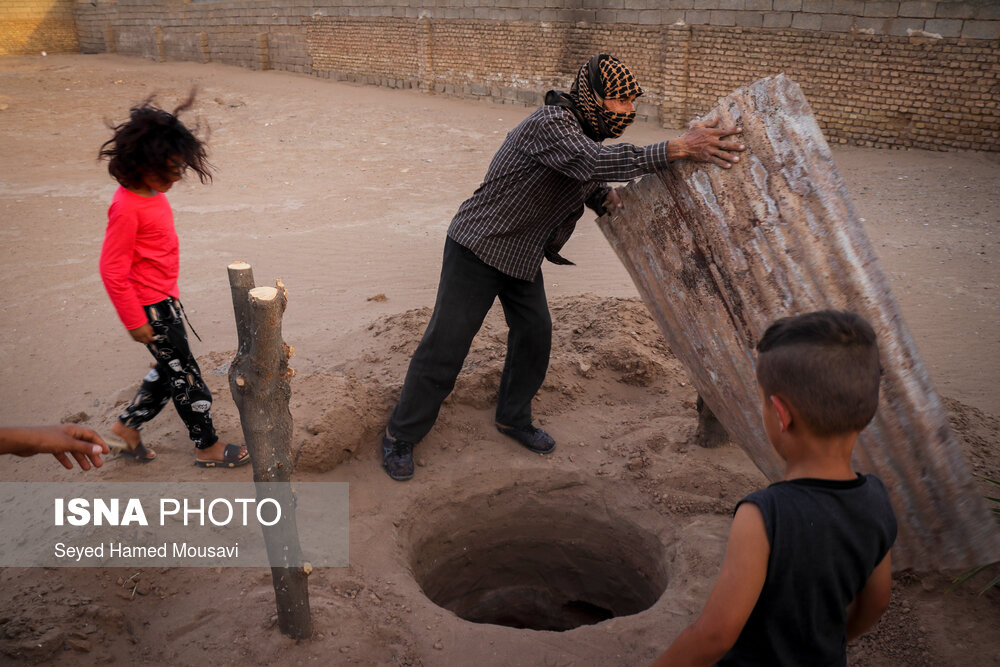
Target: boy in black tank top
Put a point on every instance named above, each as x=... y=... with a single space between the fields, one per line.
x=807 y=566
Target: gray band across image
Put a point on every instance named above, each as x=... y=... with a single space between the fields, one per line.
x=177 y=524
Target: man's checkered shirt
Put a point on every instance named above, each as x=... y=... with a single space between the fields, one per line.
x=536 y=188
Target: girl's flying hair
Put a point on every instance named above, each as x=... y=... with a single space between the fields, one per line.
x=153 y=141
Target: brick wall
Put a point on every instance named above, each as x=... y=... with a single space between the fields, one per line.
x=33 y=26
x=920 y=73
x=872 y=90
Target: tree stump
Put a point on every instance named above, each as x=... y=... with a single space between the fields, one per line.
x=259 y=381
x=718 y=254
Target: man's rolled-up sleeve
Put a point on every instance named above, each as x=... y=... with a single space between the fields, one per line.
x=623 y=162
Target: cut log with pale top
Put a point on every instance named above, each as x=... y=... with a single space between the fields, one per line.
x=259 y=381
x=718 y=254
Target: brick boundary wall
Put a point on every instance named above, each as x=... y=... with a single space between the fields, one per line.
x=898 y=74
x=33 y=26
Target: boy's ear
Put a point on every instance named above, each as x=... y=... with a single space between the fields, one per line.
x=783 y=409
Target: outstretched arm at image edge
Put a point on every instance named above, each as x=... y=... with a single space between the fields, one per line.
x=732 y=599
x=872 y=601
x=63 y=441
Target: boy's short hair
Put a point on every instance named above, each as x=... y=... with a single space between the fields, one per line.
x=826 y=365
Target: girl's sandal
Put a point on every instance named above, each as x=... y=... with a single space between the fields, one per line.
x=140 y=452
x=232 y=457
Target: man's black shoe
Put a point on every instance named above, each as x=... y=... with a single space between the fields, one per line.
x=533 y=438
x=397 y=458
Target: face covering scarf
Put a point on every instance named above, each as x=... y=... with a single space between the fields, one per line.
x=602 y=77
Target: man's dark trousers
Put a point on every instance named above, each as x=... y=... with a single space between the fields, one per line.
x=466 y=292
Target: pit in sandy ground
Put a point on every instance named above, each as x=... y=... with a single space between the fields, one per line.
x=541 y=556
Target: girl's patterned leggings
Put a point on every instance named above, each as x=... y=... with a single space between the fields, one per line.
x=176 y=376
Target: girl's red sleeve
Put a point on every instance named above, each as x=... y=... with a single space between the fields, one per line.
x=116 y=265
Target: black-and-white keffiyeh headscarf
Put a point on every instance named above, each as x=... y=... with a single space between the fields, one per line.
x=603 y=77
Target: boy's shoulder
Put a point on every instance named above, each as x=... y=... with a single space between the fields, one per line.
x=861 y=485
x=864 y=493
x=799 y=500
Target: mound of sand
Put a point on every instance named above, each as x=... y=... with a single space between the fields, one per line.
x=598 y=346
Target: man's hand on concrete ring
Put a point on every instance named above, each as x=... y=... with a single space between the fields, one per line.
x=706 y=142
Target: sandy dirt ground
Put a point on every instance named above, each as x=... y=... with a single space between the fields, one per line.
x=345 y=193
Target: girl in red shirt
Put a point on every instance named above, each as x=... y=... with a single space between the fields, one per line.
x=139 y=265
